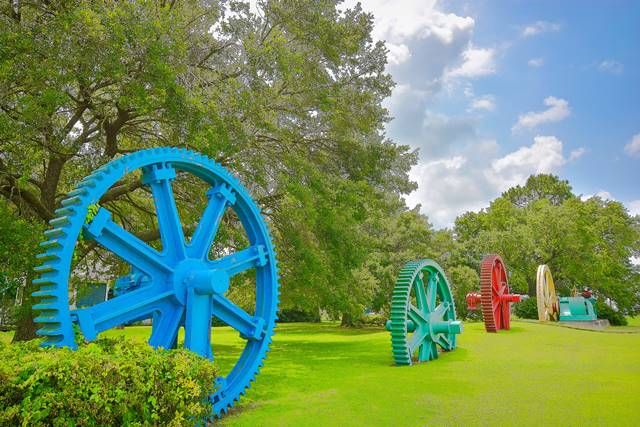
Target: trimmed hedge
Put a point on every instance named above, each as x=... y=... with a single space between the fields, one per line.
x=111 y=382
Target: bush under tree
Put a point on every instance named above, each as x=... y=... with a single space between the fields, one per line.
x=111 y=382
x=527 y=309
x=614 y=317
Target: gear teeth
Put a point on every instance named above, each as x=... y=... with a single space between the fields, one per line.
x=66 y=211
x=60 y=221
x=49 y=332
x=88 y=182
x=54 y=243
x=45 y=293
x=80 y=191
x=71 y=201
x=47 y=256
x=45 y=268
x=46 y=319
x=49 y=306
x=55 y=232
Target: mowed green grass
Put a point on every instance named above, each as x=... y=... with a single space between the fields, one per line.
x=324 y=375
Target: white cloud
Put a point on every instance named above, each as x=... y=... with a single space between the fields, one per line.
x=483 y=103
x=423 y=42
x=472 y=175
x=633 y=147
x=602 y=194
x=634 y=207
x=540 y=27
x=398 y=53
x=611 y=66
x=543 y=156
x=475 y=63
x=452 y=185
x=439 y=134
x=577 y=153
x=431 y=50
x=413 y=19
x=557 y=111
x=536 y=62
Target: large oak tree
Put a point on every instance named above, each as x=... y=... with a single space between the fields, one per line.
x=288 y=97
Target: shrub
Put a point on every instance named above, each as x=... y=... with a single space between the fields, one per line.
x=111 y=382
x=527 y=309
x=372 y=319
x=615 y=318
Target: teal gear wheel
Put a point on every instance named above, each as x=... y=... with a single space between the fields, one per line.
x=423 y=314
x=177 y=286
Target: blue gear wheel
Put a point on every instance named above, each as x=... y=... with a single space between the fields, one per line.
x=184 y=286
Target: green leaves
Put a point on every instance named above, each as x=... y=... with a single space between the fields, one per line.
x=585 y=243
x=111 y=382
x=289 y=99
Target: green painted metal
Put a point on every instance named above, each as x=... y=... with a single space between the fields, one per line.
x=578 y=309
x=423 y=314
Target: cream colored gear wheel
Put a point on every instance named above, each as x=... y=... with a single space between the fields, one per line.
x=547 y=299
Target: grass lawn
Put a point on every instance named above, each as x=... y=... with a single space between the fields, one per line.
x=323 y=375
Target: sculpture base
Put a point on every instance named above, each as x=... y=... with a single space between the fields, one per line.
x=598 y=325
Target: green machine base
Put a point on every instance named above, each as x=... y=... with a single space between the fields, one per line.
x=577 y=309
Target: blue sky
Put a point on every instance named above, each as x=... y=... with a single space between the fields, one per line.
x=491 y=92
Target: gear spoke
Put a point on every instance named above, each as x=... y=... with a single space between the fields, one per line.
x=434 y=350
x=432 y=290
x=235 y=263
x=197 y=324
x=417 y=315
x=421 y=293
x=159 y=177
x=251 y=328
x=443 y=341
x=135 y=305
x=164 y=328
x=219 y=198
x=424 y=351
x=417 y=338
x=125 y=245
x=441 y=310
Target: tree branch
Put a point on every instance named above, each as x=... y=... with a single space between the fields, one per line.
x=120 y=190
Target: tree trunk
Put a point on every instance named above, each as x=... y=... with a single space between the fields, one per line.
x=347 y=320
x=25 y=326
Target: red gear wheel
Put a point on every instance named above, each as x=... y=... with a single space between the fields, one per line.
x=494 y=297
